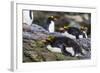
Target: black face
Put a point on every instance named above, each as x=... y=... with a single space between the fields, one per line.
x=52 y=18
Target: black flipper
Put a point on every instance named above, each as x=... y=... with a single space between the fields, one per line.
x=65 y=52
x=77 y=49
x=77 y=36
x=30 y=12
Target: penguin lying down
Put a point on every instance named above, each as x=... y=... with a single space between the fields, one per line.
x=79 y=33
x=73 y=32
x=65 y=46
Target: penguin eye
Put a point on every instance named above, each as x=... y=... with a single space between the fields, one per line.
x=82 y=27
x=52 y=16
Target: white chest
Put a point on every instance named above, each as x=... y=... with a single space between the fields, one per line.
x=51 y=27
x=68 y=35
x=53 y=49
x=70 y=50
x=26 y=17
x=58 y=50
x=85 y=34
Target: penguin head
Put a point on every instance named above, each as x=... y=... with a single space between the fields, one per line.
x=61 y=29
x=53 y=18
x=83 y=28
x=48 y=40
x=66 y=27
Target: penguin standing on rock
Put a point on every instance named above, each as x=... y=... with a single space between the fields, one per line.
x=51 y=24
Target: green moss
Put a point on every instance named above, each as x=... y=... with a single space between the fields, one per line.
x=35 y=51
x=40 y=44
x=60 y=56
x=50 y=38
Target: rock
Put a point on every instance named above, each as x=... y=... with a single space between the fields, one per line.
x=37 y=28
x=74 y=24
x=56 y=34
x=85 y=44
x=34 y=32
x=34 y=50
x=34 y=56
x=26 y=58
x=60 y=57
x=49 y=56
x=33 y=28
x=34 y=36
x=76 y=18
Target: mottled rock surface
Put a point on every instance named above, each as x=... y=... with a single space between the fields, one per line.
x=85 y=44
x=34 y=50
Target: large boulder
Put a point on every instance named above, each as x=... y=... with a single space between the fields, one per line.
x=34 y=50
x=85 y=44
x=34 y=32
